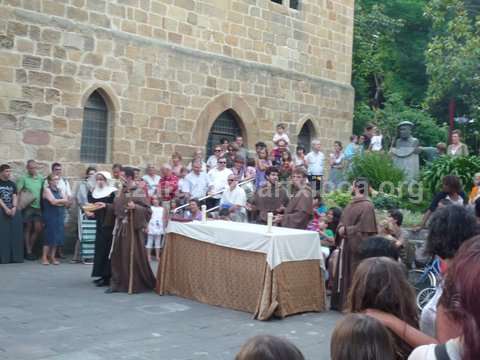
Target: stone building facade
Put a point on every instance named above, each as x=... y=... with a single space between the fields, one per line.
x=166 y=70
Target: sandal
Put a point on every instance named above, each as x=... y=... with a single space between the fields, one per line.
x=45 y=262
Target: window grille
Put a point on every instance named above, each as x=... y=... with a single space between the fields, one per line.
x=226 y=126
x=94 y=130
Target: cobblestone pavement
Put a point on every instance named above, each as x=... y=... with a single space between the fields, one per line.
x=55 y=312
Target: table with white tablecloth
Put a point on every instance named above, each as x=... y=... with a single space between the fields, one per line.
x=241 y=266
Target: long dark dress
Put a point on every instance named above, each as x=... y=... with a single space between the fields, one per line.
x=11 y=230
x=127 y=225
x=103 y=239
x=53 y=217
x=359 y=221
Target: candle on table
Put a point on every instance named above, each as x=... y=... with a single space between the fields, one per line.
x=204 y=213
x=269 y=222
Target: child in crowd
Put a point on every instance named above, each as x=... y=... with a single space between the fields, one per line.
x=265 y=347
x=376 y=143
x=156 y=228
x=360 y=337
x=280 y=135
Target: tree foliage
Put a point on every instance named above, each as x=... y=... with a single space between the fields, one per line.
x=453 y=56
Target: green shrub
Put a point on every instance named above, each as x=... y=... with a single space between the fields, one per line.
x=337 y=198
x=463 y=167
x=385 y=201
x=378 y=168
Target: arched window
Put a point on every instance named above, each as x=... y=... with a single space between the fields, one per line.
x=94 y=130
x=307 y=133
x=225 y=126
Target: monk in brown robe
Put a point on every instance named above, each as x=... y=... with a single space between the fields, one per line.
x=270 y=197
x=356 y=224
x=132 y=212
x=300 y=207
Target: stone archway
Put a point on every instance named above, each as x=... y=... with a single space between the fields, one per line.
x=112 y=107
x=237 y=107
x=306 y=132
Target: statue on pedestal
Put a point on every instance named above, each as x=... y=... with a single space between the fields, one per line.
x=405 y=151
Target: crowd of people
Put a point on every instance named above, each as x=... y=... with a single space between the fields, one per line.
x=366 y=268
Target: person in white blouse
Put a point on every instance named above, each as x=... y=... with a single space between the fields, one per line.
x=234 y=198
x=315 y=160
x=151 y=179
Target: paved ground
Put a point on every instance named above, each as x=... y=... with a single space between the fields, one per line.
x=56 y=313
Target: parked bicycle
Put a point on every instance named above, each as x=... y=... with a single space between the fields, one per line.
x=425 y=281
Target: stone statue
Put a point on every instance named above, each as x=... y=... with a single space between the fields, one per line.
x=405 y=151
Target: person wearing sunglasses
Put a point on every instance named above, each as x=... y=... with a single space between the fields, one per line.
x=213 y=159
x=234 y=199
x=218 y=181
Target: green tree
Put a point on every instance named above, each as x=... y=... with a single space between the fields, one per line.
x=453 y=57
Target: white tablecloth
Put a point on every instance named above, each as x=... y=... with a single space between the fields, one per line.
x=281 y=245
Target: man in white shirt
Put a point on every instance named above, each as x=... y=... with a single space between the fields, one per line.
x=213 y=159
x=151 y=179
x=315 y=160
x=218 y=181
x=197 y=181
x=234 y=199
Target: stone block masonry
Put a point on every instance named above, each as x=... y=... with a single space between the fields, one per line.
x=167 y=69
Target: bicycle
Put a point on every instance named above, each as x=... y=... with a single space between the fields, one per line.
x=424 y=296
x=428 y=277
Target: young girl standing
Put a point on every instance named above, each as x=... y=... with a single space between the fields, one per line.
x=156 y=229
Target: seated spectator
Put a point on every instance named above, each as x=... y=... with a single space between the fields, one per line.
x=234 y=199
x=381 y=283
x=11 y=230
x=451 y=190
x=194 y=211
x=359 y=337
x=377 y=246
x=265 y=347
x=460 y=303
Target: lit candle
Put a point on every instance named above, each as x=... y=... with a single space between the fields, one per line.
x=204 y=213
x=269 y=222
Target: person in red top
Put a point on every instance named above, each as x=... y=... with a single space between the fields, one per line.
x=167 y=186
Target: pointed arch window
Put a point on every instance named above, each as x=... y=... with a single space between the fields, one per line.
x=94 y=146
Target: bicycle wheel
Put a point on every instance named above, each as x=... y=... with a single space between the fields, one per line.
x=419 y=279
x=424 y=296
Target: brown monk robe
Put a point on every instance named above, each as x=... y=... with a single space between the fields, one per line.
x=270 y=197
x=130 y=204
x=356 y=224
x=300 y=207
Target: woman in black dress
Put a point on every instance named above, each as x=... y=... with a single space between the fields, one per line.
x=103 y=193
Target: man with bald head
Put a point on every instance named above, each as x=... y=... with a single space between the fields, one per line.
x=167 y=186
